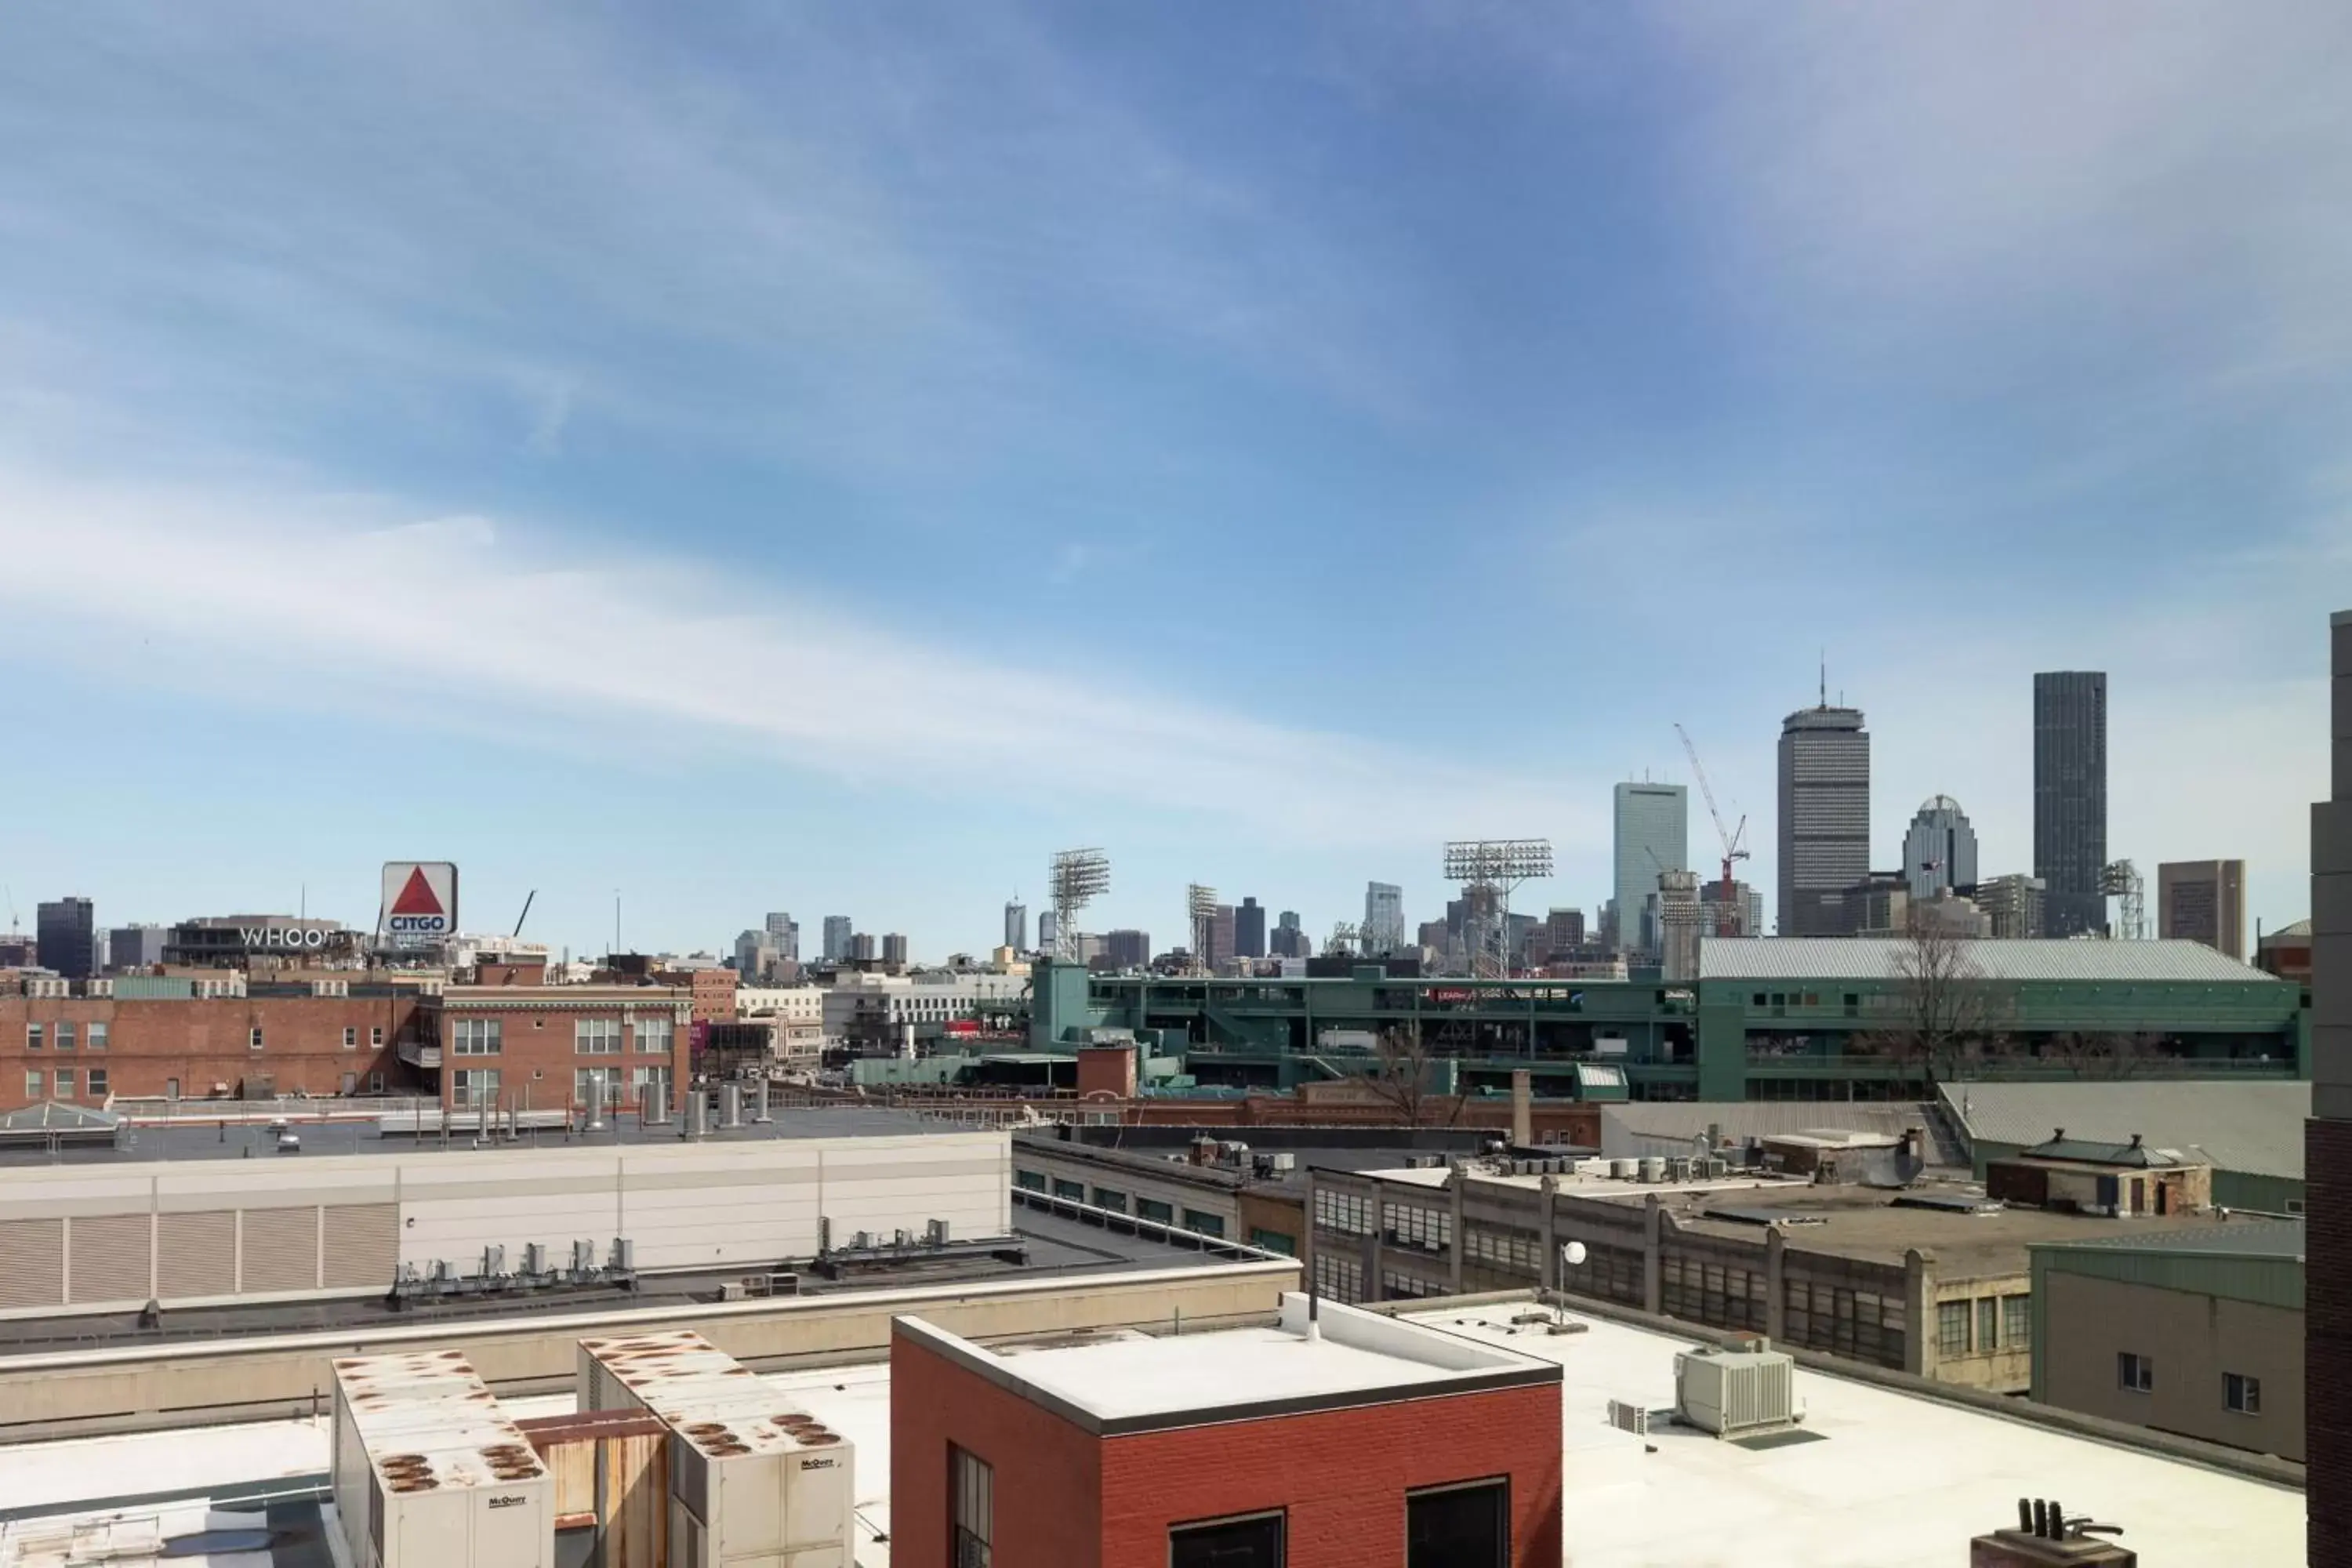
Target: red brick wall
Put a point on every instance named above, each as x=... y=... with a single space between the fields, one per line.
x=204 y=1041
x=1048 y=1472
x=1342 y=1474
x=1071 y=1500
x=2328 y=1340
x=538 y=1047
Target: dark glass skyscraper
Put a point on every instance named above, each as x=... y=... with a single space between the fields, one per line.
x=1249 y=930
x=67 y=931
x=1824 y=818
x=2070 y=798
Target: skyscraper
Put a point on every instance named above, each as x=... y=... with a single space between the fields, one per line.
x=784 y=933
x=1016 y=925
x=67 y=933
x=861 y=947
x=1653 y=836
x=1049 y=929
x=2204 y=900
x=2327 y=1142
x=1127 y=948
x=1221 y=936
x=1824 y=816
x=1288 y=939
x=2070 y=797
x=1249 y=930
x=838 y=928
x=1383 y=930
x=894 y=947
x=1940 y=851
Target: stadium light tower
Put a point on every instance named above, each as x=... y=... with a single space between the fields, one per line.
x=1077 y=877
x=1201 y=909
x=1488 y=869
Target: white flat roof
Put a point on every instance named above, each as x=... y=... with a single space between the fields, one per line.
x=1123 y=1378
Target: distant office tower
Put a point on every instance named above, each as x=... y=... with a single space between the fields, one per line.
x=1523 y=939
x=2013 y=904
x=784 y=935
x=1383 y=929
x=2070 y=797
x=1049 y=929
x=1127 y=949
x=1563 y=929
x=1653 y=835
x=1434 y=936
x=67 y=933
x=1221 y=936
x=1249 y=930
x=1824 y=816
x=755 y=955
x=861 y=947
x=1016 y=926
x=894 y=947
x=1288 y=939
x=1940 y=851
x=838 y=930
x=1608 y=926
x=2204 y=900
x=134 y=947
x=1746 y=908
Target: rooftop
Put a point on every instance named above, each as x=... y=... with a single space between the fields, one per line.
x=2278 y=1239
x=2255 y=1128
x=1881 y=1477
x=1874 y=958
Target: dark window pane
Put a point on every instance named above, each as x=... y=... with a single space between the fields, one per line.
x=1236 y=1544
x=1462 y=1526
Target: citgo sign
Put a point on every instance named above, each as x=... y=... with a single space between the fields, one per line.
x=420 y=901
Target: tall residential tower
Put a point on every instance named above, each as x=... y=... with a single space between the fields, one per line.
x=2070 y=798
x=1825 y=817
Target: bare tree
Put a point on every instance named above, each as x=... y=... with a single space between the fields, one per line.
x=1405 y=1074
x=1943 y=1013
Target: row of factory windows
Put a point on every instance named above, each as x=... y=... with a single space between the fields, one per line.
x=94 y=1035
x=1981 y=1326
x=590 y=1036
x=469 y=1085
x=1200 y=1222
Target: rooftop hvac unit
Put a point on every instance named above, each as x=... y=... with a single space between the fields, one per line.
x=1736 y=1393
x=753 y=1480
x=427 y=1473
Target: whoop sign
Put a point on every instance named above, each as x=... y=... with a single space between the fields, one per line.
x=420 y=901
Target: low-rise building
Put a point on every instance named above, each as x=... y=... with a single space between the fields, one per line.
x=2250 y=1134
x=1328 y=1440
x=541 y=1048
x=2117 y=1180
x=2198 y=1331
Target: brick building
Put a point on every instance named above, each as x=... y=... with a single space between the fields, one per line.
x=86 y=1045
x=535 y=1047
x=1365 y=1443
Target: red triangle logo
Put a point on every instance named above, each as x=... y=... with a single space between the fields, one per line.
x=417 y=898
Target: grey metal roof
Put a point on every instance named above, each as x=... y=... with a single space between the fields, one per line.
x=1667 y=1127
x=1874 y=958
x=2254 y=1128
x=57 y=1116
x=2240 y=1239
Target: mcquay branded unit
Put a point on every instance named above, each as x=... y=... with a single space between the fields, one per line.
x=755 y=1480
x=427 y=1473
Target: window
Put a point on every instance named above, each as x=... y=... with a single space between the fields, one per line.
x=375 y=1083
x=655 y=1037
x=469 y=1084
x=2241 y=1394
x=2295 y=1205
x=2134 y=1373
x=1152 y=1208
x=648 y=1084
x=1252 y=1543
x=1203 y=1224
x=253 y=1038
x=33 y=1083
x=375 y=1036
x=98 y=1083
x=1988 y=1324
x=1951 y=1328
x=971 y=1486
x=597 y=1037
x=2017 y=1322
x=171 y=1089
x=98 y=1036
x=605 y=1082
x=1274 y=1241
x=351 y=1038
x=1104 y=1198
x=1030 y=1181
x=65 y=1035
x=1409 y=1225
x=477 y=1036
x=1459 y=1527
x=1343 y=1212
x=64 y=1083
x=1341 y=1279
x=1074 y=1191
x=32 y=1035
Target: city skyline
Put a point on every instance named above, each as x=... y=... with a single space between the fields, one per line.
x=582 y=466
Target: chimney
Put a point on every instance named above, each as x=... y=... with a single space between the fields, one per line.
x=1523 y=1111
x=2134 y=1142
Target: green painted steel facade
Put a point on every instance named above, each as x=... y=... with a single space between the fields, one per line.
x=1716 y=1040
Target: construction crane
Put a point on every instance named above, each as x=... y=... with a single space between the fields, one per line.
x=1727 y=908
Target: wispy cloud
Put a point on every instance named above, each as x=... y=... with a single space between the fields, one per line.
x=458 y=611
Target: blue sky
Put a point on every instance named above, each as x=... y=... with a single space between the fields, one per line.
x=829 y=458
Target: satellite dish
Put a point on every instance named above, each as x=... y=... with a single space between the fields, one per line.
x=1574 y=1253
